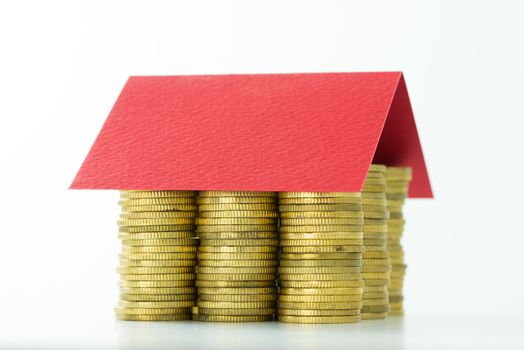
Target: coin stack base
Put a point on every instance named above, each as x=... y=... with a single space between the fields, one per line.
x=397 y=180
x=320 y=264
x=238 y=256
x=157 y=263
x=376 y=264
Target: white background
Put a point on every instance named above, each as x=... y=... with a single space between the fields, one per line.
x=62 y=65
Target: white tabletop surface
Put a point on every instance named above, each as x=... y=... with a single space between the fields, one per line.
x=408 y=332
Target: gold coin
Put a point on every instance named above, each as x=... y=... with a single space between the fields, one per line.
x=234 y=284
x=133 y=317
x=375 y=275
x=157 y=228
x=236 y=221
x=236 y=200
x=154 y=270
x=373 y=316
x=319 y=270
x=156 y=235
x=320 y=200
x=375 y=295
x=237 y=277
x=159 y=208
x=158 y=256
x=375 y=228
x=156 y=194
x=374 y=241
x=237 y=256
x=377 y=195
x=158 y=277
x=373 y=188
x=155 y=304
x=319 y=242
x=161 y=242
x=321 y=277
x=320 y=298
x=239 y=214
x=322 y=214
x=238 y=207
x=375 y=309
x=155 y=222
x=321 y=256
x=157 y=201
x=160 y=297
x=398 y=203
x=384 y=268
x=234 y=305
x=400 y=172
x=376 y=235
x=319 y=207
x=318 y=194
x=397 y=188
x=376 y=214
x=158 y=215
x=238 y=297
x=239 y=242
x=319 y=319
x=374 y=201
x=320 y=306
x=238 y=263
x=225 y=318
x=322 y=228
x=155 y=311
x=321 y=291
x=378 y=168
x=380 y=282
x=238 y=311
x=321 y=284
x=158 y=291
x=157 y=263
x=324 y=249
x=238 y=235
x=367 y=207
x=320 y=263
x=375 y=289
x=237 y=291
x=236 y=194
x=306 y=312
x=157 y=284
x=376 y=180
x=376 y=255
x=160 y=249
x=238 y=249
x=376 y=262
x=237 y=270
x=236 y=228
x=323 y=221
x=323 y=235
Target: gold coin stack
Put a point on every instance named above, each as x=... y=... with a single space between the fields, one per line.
x=376 y=266
x=397 y=181
x=157 y=263
x=320 y=264
x=237 y=257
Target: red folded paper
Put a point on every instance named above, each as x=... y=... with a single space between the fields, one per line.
x=260 y=132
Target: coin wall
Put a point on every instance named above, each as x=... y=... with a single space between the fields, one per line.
x=158 y=258
x=376 y=265
x=320 y=264
x=397 y=181
x=237 y=256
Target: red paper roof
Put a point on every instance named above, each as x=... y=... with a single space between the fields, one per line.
x=262 y=132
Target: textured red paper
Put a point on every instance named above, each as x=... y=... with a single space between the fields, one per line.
x=262 y=132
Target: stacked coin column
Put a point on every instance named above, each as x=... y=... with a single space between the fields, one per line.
x=238 y=256
x=320 y=264
x=397 y=181
x=157 y=263
x=376 y=265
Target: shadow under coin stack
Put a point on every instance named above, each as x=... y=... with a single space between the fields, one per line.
x=376 y=266
x=238 y=256
x=157 y=263
x=397 y=181
x=320 y=264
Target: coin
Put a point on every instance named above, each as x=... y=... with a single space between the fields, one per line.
x=158 y=215
x=324 y=228
x=236 y=200
x=319 y=242
x=239 y=242
x=320 y=200
x=321 y=256
x=236 y=221
x=321 y=291
x=237 y=207
x=321 y=284
x=158 y=207
x=318 y=194
x=320 y=298
x=154 y=270
x=322 y=221
x=319 y=207
x=321 y=277
x=324 y=249
x=234 y=305
x=161 y=297
x=158 y=291
x=160 y=249
x=320 y=306
x=319 y=319
x=236 y=277
x=238 y=249
x=236 y=228
x=238 y=256
x=236 y=194
x=155 y=304
x=158 y=277
x=157 y=256
x=373 y=316
x=239 y=214
x=156 y=235
x=157 y=228
x=322 y=214
x=157 y=263
x=155 y=222
x=320 y=263
x=237 y=291
x=133 y=317
x=236 y=270
x=156 y=194
x=155 y=311
x=238 y=263
x=238 y=235
x=157 y=201
x=238 y=297
x=234 y=284
x=224 y=318
x=319 y=270
x=161 y=242
x=157 y=284
x=306 y=312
